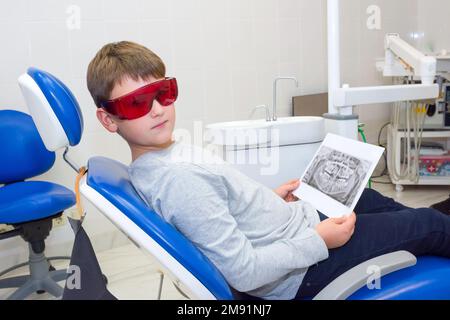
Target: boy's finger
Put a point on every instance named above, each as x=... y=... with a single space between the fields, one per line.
x=292 y=185
x=351 y=219
x=352 y=231
x=291 y=197
x=293 y=181
x=339 y=220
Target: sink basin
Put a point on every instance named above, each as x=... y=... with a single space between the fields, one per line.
x=283 y=131
x=299 y=130
x=239 y=133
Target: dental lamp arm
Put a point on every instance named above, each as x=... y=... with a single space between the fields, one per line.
x=354 y=279
x=421 y=65
x=413 y=61
x=346 y=96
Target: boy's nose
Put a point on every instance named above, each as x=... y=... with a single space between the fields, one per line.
x=157 y=109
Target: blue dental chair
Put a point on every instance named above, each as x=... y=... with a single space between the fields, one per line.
x=107 y=186
x=29 y=206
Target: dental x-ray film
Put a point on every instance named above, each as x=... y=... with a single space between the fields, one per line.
x=337 y=175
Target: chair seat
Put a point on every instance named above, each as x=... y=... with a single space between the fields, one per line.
x=429 y=279
x=33 y=200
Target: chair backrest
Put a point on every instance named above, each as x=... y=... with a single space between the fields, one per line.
x=110 y=178
x=23 y=154
x=54 y=109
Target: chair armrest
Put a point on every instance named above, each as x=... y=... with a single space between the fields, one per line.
x=354 y=279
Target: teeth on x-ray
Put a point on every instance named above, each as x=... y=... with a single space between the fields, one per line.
x=336 y=174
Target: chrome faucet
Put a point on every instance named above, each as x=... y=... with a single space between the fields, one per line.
x=259 y=107
x=274 y=106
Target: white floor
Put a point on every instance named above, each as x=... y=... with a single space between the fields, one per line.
x=133 y=274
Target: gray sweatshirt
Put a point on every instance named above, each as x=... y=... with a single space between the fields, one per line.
x=261 y=244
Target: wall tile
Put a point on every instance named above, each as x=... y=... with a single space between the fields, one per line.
x=45 y=10
x=244 y=92
x=212 y=10
x=155 y=9
x=267 y=42
x=290 y=42
x=119 y=10
x=84 y=44
x=216 y=40
x=157 y=36
x=264 y=9
x=289 y=8
x=218 y=102
x=434 y=23
x=123 y=30
x=265 y=78
x=11 y=97
x=286 y=89
x=188 y=43
x=49 y=45
x=191 y=98
x=15 y=56
x=182 y=9
x=15 y=11
x=242 y=43
x=239 y=9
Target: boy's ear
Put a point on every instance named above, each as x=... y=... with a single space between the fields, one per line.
x=106 y=120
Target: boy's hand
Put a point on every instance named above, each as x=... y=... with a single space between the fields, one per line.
x=337 y=231
x=285 y=190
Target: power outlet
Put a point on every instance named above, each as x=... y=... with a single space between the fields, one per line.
x=5 y=228
x=57 y=222
x=72 y=212
x=60 y=221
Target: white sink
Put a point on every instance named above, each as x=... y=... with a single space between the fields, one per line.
x=239 y=133
x=283 y=131
x=299 y=130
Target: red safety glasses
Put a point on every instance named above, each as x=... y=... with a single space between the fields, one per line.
x=139 y=102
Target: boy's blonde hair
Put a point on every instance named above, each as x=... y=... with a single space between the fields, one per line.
x=118 y=60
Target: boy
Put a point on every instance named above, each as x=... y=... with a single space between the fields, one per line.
x=265 y=242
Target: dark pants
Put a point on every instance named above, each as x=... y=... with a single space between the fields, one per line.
x=382 y=226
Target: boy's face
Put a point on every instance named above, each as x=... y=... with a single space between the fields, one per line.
x=151 y=130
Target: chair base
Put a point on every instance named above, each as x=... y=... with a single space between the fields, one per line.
x=41 y=278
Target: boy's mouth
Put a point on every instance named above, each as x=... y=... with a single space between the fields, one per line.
x=160 y=125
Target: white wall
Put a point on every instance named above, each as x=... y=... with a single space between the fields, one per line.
x=434 y=25
x=361 y=47
x=225 y=54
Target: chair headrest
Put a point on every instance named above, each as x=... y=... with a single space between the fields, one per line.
x=53 y=107
x=23 y=154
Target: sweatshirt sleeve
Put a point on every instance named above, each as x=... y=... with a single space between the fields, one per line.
x=196 y=204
